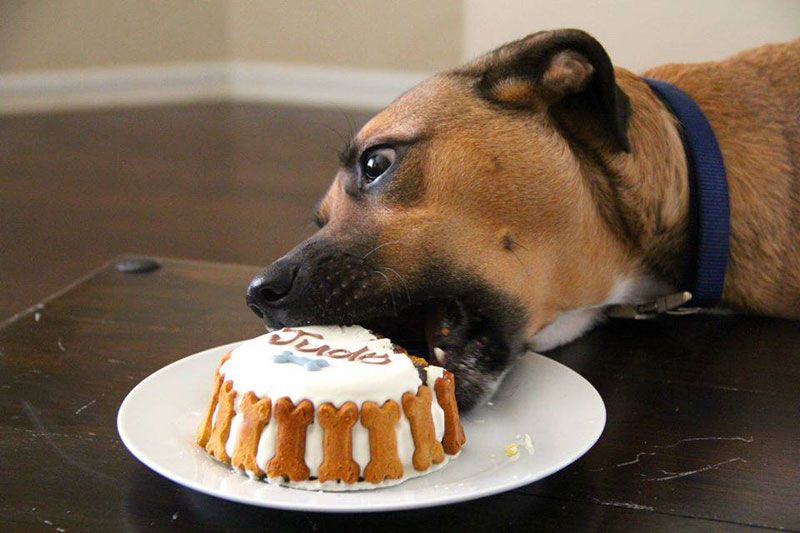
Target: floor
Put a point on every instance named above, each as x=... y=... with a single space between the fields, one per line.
x=220 y=182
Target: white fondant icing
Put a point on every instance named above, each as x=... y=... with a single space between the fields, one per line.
x=252 y=368
x=433 y=373
x=266 y=445
x=236 y=423
x=361 y=445
x=405 y=443
x=313 y=455
x=438 y=420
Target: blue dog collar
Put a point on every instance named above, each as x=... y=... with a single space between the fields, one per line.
x=709 y=212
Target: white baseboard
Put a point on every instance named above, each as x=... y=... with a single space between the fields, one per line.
x=208 y=81
x=341 y=86
x=104 y=87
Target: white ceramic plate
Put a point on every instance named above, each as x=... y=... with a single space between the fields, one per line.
x=560 y=410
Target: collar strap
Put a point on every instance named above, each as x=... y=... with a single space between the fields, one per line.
x=709 y=213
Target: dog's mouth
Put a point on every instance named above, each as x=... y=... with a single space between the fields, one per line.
x=449 y=317
x=457 y=334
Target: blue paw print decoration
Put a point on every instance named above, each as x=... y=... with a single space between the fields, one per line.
x=312 y=365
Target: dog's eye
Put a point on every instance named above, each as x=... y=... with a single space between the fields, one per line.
x=376 y=162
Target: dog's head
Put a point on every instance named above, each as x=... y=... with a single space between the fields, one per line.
x=460 y=222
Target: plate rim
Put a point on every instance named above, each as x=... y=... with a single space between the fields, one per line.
x=300 y=505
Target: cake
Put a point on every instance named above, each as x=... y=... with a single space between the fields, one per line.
x=330 y=408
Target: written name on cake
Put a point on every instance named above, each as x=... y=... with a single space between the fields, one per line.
x=308 y=342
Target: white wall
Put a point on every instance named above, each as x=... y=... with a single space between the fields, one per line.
x=416 y=35
x=56 y=35
x=58 y=54
x=638 y=33
x=37 y=35
x=62 y=54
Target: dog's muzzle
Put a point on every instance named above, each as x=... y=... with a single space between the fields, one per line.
x=268 y=293
x=318 y=282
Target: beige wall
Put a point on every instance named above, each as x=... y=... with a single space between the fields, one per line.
x=638 y=33
x=398 y=35
x=413 y=35
x=63 y=34
x=417 y=35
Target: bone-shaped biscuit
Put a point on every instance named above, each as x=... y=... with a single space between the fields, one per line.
x=454 y=437
x=222 y=423
x=204 y=429
x=290 y=440
x=384 y=461
x=337 y=442
x=255 y=415
x=417 y=408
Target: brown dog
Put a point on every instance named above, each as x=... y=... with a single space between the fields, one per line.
x=503 y=204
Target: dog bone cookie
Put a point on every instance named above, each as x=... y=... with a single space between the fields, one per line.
x=380 y=421
x=445 y=388
x=290 y=441
x=337 y=442
x=204 y=430
x=222 y=423
x=255 y=415
x=417 y=408
x=329 y=408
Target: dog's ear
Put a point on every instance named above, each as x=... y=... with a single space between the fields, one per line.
x=558 y=71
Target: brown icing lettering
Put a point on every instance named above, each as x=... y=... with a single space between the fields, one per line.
x=302 y=344
x=276 y=339
x=365 y=356
x=339 y=353
x=301 y=347
x=376 y=359
x=358 y=354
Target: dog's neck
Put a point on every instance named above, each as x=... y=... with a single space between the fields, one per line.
x=569 y=325
x=643 y=197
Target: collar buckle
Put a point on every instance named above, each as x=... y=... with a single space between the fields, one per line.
x=668 y=304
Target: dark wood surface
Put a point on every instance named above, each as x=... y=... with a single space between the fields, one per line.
x=213 y=181
x=702 y=430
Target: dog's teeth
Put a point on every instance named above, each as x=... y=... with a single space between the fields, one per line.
x=440 y=354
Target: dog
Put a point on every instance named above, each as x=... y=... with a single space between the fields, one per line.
x=502 y=205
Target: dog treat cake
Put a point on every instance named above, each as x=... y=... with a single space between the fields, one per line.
x=331 y=408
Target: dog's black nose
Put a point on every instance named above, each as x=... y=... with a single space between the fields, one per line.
x=267 y=289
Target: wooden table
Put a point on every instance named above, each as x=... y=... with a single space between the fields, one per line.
x=703 y=419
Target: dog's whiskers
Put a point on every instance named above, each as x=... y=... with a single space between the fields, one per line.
x=402 y=280
x=511 y=245
x=378 y=248
x=342 y=137
x=351 y=126
x=391 y=291
x=521 y=264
